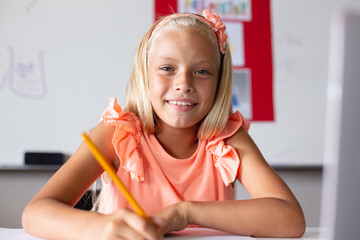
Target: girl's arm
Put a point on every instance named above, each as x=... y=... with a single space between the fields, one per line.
x=50 y=214
x=273 y=210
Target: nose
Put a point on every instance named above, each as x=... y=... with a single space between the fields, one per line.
x=183 y=82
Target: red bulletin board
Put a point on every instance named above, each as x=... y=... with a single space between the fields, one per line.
x=257 y=52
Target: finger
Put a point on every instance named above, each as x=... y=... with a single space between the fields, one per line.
x=161 y=223
x=119 y=229
x=127 y=232
x=139 y=225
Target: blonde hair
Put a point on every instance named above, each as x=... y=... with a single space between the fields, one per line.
x=137 y=92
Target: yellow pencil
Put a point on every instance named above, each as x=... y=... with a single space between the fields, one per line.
x=111 y=171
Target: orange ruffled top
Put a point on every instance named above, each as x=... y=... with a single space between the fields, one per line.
x=155 y=178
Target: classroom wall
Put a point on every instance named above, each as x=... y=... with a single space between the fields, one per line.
x=306 y=184
x=18 y=187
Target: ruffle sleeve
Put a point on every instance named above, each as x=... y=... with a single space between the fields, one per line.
x=225 y=157
x=126 y=138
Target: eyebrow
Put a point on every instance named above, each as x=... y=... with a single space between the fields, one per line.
x=201 y=61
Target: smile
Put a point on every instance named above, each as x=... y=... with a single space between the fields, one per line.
x=181 y=103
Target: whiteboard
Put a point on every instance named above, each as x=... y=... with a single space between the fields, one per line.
x=61 y=61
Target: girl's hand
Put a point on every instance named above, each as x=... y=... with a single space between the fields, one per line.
x=176 y=217
x=125 y=224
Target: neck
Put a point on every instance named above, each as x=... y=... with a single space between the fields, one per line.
x=178 y=142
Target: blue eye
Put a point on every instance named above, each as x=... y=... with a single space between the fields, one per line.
x=202 y=71
x=168 y=69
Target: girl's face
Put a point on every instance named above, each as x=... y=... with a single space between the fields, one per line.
x=183 y=72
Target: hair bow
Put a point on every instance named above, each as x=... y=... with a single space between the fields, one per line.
x=218 y=27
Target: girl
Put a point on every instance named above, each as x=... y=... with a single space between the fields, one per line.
x=176 y=146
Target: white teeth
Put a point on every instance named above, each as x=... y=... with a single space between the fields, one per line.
x=180 y=103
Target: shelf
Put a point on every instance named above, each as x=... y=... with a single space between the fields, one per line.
x=29 y=167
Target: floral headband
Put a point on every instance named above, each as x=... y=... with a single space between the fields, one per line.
x=209 y=18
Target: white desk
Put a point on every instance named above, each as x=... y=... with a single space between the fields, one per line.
x=188 y=234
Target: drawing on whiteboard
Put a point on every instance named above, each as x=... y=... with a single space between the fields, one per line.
x=30 y=6
x=25 y=78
